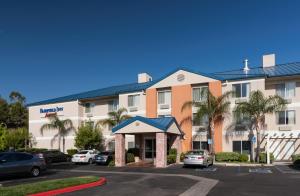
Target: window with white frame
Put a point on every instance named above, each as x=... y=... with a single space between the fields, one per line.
x=241 y=90
x=88 y=107
x=199 y=93
x=241 y=147
x=113 y=105
x=286 y=90
x=286 y=117
x=200 y=122
x=164 y=97
x=133 y=100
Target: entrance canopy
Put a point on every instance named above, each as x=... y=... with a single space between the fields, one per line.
x=141 y=124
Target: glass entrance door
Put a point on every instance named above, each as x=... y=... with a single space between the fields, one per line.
x=150 y=148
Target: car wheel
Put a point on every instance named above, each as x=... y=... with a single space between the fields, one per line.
x=90 y=161
x=35 y=172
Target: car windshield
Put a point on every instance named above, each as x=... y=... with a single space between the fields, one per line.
x=83 y=152
x=104 y=153
x=195 y=153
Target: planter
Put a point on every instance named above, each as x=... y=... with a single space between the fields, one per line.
x=136 y=159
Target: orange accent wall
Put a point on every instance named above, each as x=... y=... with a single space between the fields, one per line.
x=180 y=95
x=216 y=89
x=151 y=103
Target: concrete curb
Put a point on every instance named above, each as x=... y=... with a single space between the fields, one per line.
x=100 y=182
x=243 y=164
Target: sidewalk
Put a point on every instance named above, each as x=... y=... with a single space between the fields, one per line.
x=226 y=164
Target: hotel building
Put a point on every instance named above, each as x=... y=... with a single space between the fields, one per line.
x=153 y=103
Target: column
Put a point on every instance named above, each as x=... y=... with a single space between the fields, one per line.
x=177 y=144
x=120 y=150
x=161 y=149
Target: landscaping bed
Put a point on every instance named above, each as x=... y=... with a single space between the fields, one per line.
x=37 y=187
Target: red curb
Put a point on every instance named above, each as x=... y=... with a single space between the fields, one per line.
x=100 y=182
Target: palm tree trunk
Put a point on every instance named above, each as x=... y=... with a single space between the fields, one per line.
x=212 y=138
x=59 y=139
x=63 y=144
x=258 y=143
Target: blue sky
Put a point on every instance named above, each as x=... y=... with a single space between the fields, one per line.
x=59 y=47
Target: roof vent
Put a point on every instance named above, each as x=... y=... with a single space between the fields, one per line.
x=246 y=68
x=268 y=60
x=144 y=77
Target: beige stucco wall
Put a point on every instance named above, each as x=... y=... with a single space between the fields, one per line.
x=37 y=120
x=229 y=132
x=141 y=108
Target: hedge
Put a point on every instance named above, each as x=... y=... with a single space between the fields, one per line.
x=263 y=157
x=173 y=151
x=227 y=156
x=129 y=157
x=171 y=158
x=32 y=150
x=182 y=155
x=134 y=151
x=72 y=151
x=296 y=159
x=244 y=158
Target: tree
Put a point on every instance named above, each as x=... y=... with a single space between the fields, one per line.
x=88 y=137
x=13 y=138
x=3 y=111
x=256 y=108
x=214 y=108
x=63 y=127
x=114 y=118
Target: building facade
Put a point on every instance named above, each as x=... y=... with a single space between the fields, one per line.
x=165 y=97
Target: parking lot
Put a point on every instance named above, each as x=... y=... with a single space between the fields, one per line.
x=176 y=180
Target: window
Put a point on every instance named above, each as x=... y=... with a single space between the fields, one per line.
x=198 y=93
x=242 y=119
x=242 y=147
x=286 y=117
x=111 y=145
x=199 y=122
x=241 y=90
x=286 y=90
x=88 y=107
x=113 y=105
x=23 y=157
x=200 y=145
x=164 y=97
x=133 y=100
x=130 y=145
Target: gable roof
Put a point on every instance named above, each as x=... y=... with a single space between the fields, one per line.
x=187 y=70
x=162 y=123
x=288 y=69
x=103 y=92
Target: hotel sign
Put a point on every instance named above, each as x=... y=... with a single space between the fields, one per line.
x=55 y=110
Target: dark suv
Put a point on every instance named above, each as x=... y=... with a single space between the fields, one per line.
x=54 y=156
x=19 y=162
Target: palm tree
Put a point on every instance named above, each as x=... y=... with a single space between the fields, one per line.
x=214 y=108
x=63 y=127
x=114 y=118
x=256 y=108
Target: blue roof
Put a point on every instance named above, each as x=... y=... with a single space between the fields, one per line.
x=288 y=69
x=103 y=92
x=162 y=123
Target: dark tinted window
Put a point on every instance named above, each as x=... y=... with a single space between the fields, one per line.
x=242 y=147
x=23 y=157
x=9 y=157
x=82 y=152
x=195 y=152
x=104 y=153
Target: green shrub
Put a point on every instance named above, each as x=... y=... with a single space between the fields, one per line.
x=129 y=157
x=173 y=151
x=227 y=156
x=134 y=151
x=171 y=158
x=296 y=159
x=182 y=155
x=72 y=151
x=111 y=163
x=263 y=157
x=244 y=158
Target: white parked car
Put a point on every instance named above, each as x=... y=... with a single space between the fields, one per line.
x=84 y=156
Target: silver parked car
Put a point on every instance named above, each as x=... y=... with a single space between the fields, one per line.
x=198 y=157
x=19 y=162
